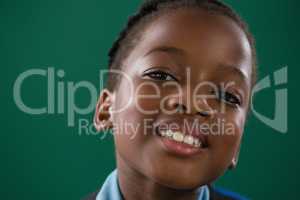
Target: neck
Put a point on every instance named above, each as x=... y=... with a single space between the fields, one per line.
x=136 y=186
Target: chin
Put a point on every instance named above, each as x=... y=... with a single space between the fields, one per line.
x=179 y=181
x=182 y=184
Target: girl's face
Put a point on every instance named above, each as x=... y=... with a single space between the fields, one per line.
x=183 y=56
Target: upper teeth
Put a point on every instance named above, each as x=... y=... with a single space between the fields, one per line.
x=180 y=137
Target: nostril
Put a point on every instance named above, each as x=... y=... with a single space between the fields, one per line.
x=180 y=108
x=203 y=113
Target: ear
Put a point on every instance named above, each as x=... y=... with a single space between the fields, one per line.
x=235 y=159
x=102 y=117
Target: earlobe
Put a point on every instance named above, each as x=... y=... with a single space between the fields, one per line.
x=103 y=114
x=233 y=164
x=234 y=160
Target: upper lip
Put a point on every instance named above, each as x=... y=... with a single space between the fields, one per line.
x=194 y=131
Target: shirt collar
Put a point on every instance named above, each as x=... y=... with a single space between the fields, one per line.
x=110 y=189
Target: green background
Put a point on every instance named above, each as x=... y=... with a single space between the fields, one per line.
x=43 y=158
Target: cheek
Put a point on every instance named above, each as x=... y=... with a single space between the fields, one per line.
x=132 y=144
x=227 y=142
x=137 y=110
x=133 y=124
x=147 y=98
x=139 y=96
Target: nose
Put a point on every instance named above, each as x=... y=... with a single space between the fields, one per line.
x=185 y=104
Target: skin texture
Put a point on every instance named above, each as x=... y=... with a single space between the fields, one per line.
x=214 y=49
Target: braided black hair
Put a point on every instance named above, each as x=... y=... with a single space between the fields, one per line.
x=130 y=35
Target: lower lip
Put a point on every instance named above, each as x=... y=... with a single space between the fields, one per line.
x=179 y=148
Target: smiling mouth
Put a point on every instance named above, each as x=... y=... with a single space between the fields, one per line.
x=179 y=137
x=181 y=143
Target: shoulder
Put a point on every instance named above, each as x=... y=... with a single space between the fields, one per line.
x=217 y=193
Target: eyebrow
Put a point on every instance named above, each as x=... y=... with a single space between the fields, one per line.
x=167 y=49
x=234 y=70
x=174 y=50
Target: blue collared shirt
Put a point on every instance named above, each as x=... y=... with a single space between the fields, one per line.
x=110 y=189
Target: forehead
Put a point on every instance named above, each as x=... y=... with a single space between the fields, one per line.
x=206 y=40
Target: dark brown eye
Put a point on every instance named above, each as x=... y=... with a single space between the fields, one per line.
x=160 y=76
x=229 y=98
x=232 y=98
